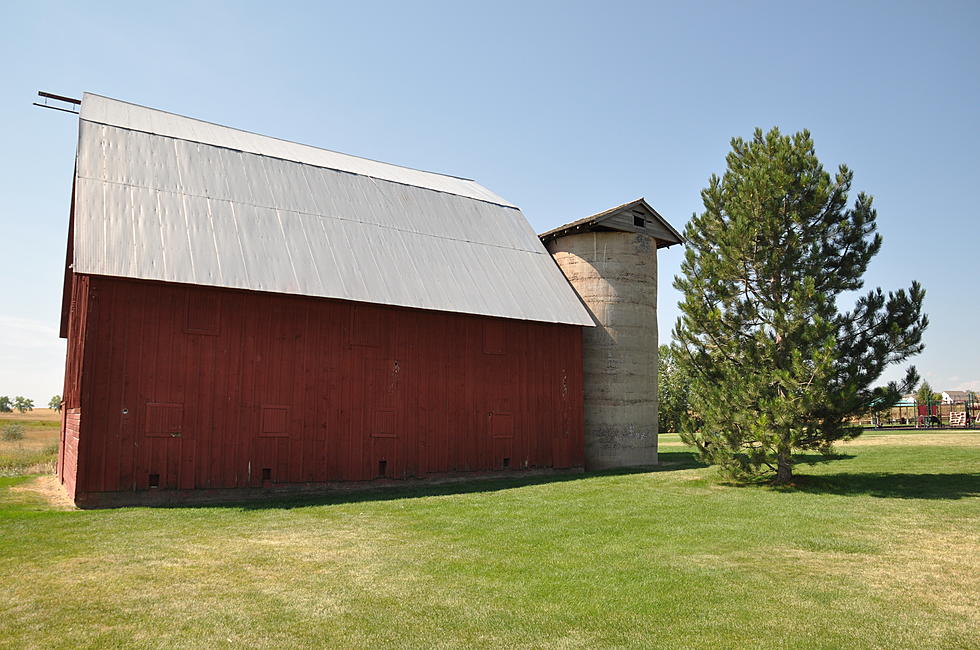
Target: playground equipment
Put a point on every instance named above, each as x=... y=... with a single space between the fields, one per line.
x=934 y=414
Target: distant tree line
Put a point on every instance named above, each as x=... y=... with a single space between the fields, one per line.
x=25 y=404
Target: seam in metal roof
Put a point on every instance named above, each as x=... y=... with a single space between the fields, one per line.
x=158 y=206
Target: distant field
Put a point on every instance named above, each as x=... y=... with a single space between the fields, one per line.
x=879 y=548
x=38 y=451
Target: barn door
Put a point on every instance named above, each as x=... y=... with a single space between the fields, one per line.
x=385 y=445
x=163 y=444
x=269 y=462
x=502 y=439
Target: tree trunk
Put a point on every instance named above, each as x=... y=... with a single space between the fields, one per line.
x=784 y=467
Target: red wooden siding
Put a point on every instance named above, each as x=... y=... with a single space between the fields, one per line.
x=71 y=414
x=68 y=456
x=194 y=387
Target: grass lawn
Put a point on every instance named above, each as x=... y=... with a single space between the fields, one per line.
x=879 y=548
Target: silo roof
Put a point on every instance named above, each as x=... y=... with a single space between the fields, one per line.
x=163 y=197
x=636 y=216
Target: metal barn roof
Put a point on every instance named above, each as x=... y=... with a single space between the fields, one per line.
x=169 y=198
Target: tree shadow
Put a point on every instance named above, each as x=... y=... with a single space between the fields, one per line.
x=890 y=485
x=819 y=459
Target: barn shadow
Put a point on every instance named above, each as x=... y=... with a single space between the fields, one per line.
x=669 y=462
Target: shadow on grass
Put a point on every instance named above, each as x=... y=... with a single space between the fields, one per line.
x=888 y=485
x=819 y=459
x=891 y=485
x=669 y=461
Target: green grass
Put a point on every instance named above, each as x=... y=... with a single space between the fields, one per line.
x=32 y=423
x=878 y=548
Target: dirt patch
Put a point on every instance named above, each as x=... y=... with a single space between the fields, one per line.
x=965 y=439
x=48 y=489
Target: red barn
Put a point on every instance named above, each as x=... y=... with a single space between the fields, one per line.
x=246 y=312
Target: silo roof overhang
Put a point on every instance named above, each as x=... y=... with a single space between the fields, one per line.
x=636 y=216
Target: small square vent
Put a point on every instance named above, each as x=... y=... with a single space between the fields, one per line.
x=274 y=421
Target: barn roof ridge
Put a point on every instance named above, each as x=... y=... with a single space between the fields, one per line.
x=333 y=169
x=491 y=197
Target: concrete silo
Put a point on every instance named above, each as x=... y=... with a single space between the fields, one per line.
x=611 y=260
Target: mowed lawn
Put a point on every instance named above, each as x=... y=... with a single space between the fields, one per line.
x=878 y=548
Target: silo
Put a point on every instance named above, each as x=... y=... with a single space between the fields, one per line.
x=611 y=261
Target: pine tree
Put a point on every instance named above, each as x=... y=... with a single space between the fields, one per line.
x=926 y=395
x=774 y=366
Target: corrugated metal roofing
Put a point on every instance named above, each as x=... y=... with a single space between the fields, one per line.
x=164 y=197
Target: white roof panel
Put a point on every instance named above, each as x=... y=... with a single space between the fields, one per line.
x=162 y=197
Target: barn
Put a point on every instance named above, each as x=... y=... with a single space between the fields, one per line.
x=246 y=314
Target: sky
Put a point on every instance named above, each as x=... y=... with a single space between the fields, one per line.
x=563 y=108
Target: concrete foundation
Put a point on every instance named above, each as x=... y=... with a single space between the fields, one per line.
x=615 y=273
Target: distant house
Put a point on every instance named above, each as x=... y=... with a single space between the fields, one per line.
x=951 y=396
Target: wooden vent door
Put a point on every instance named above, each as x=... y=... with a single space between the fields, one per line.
x=163 y=444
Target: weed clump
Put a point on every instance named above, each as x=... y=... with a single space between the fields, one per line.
x=11 y=432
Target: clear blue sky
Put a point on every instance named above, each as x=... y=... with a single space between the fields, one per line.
x=563 y=108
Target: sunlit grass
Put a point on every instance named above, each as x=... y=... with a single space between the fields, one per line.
x=878 y=548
